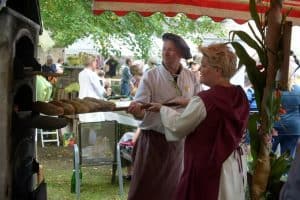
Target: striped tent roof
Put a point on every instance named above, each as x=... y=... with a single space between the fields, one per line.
x=218 y=10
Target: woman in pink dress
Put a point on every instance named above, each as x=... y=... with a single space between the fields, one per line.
x=213 y=122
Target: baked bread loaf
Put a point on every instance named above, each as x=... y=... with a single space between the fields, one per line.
x=68 y=108
x=79 y=107
x=102 y=105
x=47 y=108
x=93 y=107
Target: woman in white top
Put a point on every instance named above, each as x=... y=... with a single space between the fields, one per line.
x=89 y=81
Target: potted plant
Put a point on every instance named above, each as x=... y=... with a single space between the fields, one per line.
x=267 y=42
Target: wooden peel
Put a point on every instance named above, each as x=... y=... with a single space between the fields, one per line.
x=144 y=106
x=108 y=107
x=171 y=104
x=148 y=105
x=124 y=108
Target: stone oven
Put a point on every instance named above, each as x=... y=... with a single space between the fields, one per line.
x=20 y=26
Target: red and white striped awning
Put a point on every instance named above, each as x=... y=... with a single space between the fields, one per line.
x=218 y=10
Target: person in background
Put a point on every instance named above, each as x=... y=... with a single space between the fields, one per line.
x=43 y=89
x=194 y=66
x=250 y=94
x=288 y=127
x=152 y=63
x=158 y=163
x=137 y=72
x=90 y=86
x=89 y=81
x=105 y=82
x=100 y=62
x=113 y=64
x=249 y=90
x=213 y=123
x=128 y=141
x=126 y=77
x=59 y=64
x=49 y=66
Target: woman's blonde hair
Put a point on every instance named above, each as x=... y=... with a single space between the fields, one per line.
x=88 y=60
x=219 y=55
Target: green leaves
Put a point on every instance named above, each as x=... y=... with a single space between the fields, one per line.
x=69 y=20
x=279 y=166
x=274 y=105
x=252 y=43
x=254 y=135
x=255 y=16
x=256 y=77
x=256 y=74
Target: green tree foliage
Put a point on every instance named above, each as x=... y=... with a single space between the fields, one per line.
x=69 y=20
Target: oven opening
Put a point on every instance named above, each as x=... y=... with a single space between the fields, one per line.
x=24 y=61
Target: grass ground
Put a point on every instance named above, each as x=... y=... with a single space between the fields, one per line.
x=58 y=164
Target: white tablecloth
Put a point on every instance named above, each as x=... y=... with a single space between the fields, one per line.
x=120 y=116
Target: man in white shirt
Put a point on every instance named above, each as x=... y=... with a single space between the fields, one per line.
x=158 y=163
x=89 y=81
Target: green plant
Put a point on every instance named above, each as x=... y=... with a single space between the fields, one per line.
x=72 y=87
x=266 y=41
x=73 y=60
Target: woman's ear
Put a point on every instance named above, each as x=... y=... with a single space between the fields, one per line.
x=219 y=70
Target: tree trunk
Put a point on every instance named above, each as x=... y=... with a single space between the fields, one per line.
x=262 y=168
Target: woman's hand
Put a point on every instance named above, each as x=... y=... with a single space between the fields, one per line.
x=155 y=107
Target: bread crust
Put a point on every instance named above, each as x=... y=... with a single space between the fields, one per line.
x=68 y=108
x=47 y=108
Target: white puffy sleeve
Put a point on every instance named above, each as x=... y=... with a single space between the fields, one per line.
x=178 y=125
